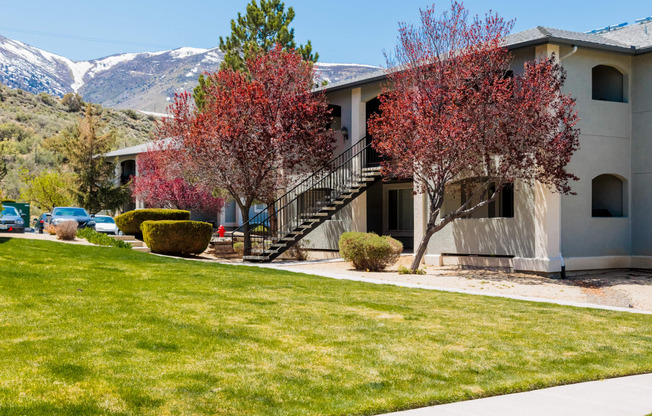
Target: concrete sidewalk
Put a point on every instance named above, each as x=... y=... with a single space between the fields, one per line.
x=624 y=396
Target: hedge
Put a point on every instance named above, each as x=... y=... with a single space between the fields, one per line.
x=177 y=237
x=369 y=251
x=129 y=222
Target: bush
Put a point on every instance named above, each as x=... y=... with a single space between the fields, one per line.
x=101 y=239
x=404 y=270
x=260 y=229
x=239 y=247
x=368 y=251
x=130 y=221
x=73 y=102
x=66 y=230
x=177 y=237
x=50 y=229
x=299 y=251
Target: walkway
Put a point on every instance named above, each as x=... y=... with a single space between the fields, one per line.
x=327 y=272
x=624 y=396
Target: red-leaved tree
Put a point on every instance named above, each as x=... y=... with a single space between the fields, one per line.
x=256 y=129
x=161 y=183
x=453 y=110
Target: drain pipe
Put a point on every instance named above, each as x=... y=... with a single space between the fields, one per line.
x=563 y=267
x=561 y=58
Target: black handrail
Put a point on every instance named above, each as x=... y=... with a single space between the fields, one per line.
x=299 y=205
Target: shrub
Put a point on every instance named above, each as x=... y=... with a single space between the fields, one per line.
x=260 y=230
x=239 y=247
x=368 y=251
x=50 y=229
x=73 y=102
x=299 y=251
x=404 y=270
x=66 y=230
x=177 y=237
x=130 y=221
x=101 y=239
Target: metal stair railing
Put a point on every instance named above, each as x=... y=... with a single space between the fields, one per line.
x=296 y=209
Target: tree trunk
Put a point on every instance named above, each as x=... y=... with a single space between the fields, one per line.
x=423 y=246
x=246 y=229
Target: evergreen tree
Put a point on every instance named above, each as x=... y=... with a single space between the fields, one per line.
x=82 y=149
x=262 y=27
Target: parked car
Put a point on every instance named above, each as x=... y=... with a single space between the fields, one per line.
x=105 y=224
x=42 y=221
x=11 y=221
x=83 y=218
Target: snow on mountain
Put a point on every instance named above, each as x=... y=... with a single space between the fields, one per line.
x=144 y=81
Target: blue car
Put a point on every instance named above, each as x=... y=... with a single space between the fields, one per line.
x=83 y=218
x=11 y=221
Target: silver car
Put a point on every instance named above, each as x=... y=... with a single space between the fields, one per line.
x=105 y=224
x=11 y=221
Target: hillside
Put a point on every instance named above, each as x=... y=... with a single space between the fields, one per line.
x=143 y=81
x=27 y=119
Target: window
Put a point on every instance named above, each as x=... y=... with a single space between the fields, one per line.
x=607 y=196
x=501 y=207
x=336 y=114
x=127 y=169
x=608 y=84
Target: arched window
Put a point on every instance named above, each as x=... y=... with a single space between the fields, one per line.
x=608 y=84
x=607 y=196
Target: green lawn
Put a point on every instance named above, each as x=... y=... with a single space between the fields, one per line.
x=93 y=330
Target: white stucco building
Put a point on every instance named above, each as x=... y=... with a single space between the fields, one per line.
x=605 y=225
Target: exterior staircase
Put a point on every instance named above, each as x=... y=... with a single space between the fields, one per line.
x=135 y=244
x=314 y=200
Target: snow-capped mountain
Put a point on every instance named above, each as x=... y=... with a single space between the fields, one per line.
x=143 y=81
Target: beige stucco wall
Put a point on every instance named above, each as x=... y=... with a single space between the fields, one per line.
x=641 y=179
x=605 y=148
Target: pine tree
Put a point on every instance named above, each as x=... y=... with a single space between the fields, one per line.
x=82 y=149
x=262 y=27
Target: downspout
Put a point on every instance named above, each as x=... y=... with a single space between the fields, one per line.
x=562 y=274
x=561 y=58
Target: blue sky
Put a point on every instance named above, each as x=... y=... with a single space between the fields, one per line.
x=341 y=30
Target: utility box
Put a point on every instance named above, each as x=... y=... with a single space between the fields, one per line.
x=23 y=209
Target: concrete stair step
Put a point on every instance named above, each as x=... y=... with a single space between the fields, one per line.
x=123 y=237
x=142 y=249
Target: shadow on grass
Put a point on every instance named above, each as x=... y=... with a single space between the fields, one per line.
x=51 y=409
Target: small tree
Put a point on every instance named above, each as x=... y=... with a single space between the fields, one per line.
x=262 y=28
x=47 y=190
x=160 y=183
x=82 y=149
x=257 y=127
x=455 y=111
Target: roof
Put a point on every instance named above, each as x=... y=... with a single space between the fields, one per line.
x=138 y=149
x=631 y=39
x=131 y=150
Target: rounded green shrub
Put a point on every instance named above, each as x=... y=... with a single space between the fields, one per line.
x=130 y=221
x=177 y=237
x=369 y=251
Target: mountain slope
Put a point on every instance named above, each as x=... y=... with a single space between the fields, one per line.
x=144 y=81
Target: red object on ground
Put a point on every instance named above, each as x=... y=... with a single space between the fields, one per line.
x=220 y=231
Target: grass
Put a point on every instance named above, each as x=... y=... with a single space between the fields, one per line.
x=96 y=330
